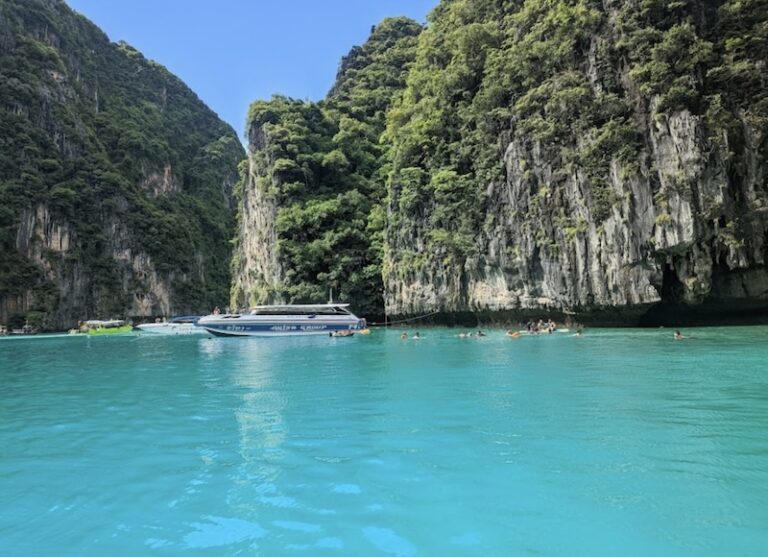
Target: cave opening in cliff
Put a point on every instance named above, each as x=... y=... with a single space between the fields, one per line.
x=672 y=289
x=671 y=307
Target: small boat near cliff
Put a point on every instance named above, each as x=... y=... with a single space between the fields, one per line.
x=110 y=327
x=284 y=320
x=25 y=330
x=186 y=325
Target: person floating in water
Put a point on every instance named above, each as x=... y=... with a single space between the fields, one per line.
x=513 y=334
x=416 y=336
x=404 y=336
x=679 y=336
x=479 y=333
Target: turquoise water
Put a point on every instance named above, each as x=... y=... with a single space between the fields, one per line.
x=621 y=442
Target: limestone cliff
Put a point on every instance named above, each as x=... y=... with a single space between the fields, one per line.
x=115 y=179
x=256 y=268
x=606 y=159
x=311 y=212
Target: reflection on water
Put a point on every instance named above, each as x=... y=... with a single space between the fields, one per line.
x=210 y=347
x=262 y=428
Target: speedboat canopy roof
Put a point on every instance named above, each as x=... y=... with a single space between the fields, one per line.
x=301 y=307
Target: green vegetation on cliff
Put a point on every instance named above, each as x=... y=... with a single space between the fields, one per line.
x=323 y=165
x=486 y=71
x=117 y=156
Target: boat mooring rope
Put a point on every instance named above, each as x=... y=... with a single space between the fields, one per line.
x=388 y=323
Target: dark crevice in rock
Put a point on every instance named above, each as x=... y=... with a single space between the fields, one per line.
x=672 y=290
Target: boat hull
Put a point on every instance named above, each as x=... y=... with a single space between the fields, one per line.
x=276 y=329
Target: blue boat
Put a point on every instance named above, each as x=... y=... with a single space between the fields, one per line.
x=284 y=320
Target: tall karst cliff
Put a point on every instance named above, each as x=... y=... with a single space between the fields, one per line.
x=603 y=158
x=115 y=179
x=599 y=157
x=311 y=210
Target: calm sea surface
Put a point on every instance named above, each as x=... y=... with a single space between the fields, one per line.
x=620 y=442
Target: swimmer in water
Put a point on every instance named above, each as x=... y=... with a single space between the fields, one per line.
x=679 y=336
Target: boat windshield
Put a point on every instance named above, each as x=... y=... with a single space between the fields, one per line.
x=300 y=310
x=183 y=319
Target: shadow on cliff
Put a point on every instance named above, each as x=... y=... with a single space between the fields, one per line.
x=737 y=298
x=711 y=312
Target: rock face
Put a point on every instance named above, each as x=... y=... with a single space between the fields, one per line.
x=635 y=214
x=256 y=268
x=115 y=179
x=666 y=239
x=311 y=211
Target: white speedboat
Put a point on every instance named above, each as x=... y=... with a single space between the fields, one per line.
x=176 y=326
x=284 y=320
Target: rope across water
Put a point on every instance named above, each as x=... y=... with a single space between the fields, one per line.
x=388 y=323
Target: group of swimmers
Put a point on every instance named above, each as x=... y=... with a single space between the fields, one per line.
x=540 y=326
x=515 y=334
x=417 y=336
x=531 y=329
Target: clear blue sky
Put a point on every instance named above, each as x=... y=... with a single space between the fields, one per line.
x=232 y=52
